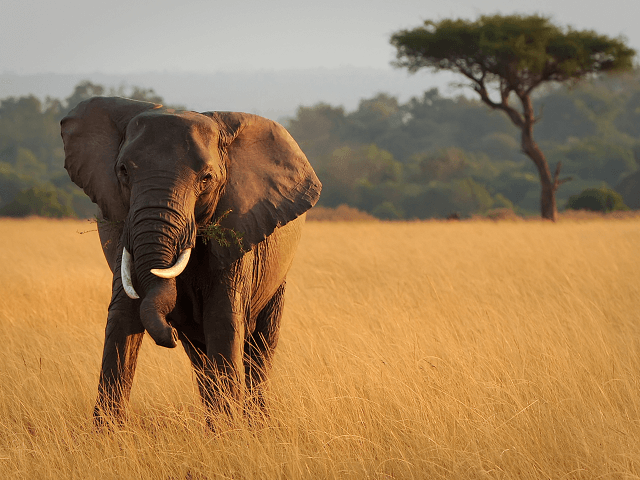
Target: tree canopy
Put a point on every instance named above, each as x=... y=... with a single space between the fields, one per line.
x=513 y=55
x=455 y=155
x=517 y=52
x=32 y=176
x=429 y=156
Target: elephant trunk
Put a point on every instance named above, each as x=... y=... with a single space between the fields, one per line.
x=158 y=241
x=155 y=307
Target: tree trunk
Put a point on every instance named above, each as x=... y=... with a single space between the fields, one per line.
x=548 y=208
x=549 y=184
x=524 y=121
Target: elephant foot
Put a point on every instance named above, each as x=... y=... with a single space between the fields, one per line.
x=107 y=415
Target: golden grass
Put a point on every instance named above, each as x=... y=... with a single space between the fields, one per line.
x=409 y=350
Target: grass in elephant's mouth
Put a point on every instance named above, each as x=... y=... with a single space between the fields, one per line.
x=225 y=237
x=417 y=350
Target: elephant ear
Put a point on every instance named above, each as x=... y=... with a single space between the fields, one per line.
x=92 y=133
x=269 y=180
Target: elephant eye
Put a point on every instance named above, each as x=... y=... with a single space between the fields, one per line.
x=123 y=170
x=206 y=180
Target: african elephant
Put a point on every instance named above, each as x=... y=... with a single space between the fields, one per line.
x=162 y=178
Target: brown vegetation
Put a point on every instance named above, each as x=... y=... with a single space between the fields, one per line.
x=409 y=350
x=342 y=213
x=345 y=213
x=590 y=215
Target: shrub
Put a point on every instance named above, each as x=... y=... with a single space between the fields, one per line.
x=501 y=214
x=597 y=200
x=387 y=211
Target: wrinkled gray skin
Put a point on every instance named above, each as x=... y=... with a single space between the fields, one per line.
x=158 y=175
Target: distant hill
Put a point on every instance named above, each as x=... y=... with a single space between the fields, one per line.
x=274 y=94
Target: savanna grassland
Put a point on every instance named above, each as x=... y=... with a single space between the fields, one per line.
x=432 y=350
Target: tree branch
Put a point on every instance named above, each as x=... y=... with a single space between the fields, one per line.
x=539 y=116
x=514 y=115
x=556 y=181
x=563 y=180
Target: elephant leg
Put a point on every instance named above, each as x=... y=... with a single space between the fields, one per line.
x=260 y=346
x=196 y=353
x=123 y=338
x=207 y=380
x=222 y=382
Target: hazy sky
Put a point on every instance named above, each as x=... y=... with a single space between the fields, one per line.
x=124 y=36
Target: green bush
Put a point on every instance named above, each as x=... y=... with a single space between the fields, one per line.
x=40 y=200
x=387 y=211
x=11 y=184
x=597 y=200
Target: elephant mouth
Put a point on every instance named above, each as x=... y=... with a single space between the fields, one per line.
x=171 y=272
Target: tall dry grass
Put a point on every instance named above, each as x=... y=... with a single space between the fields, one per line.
x=408 y=350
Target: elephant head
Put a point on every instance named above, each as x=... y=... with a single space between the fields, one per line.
x=160 y=174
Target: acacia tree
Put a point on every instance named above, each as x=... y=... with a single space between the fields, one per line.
x=512 y=56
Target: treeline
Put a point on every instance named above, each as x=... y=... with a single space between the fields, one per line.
x=432 y=156
x=435 y=156
x=33 y=180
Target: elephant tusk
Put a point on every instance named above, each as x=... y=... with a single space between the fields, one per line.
x=125 y=274
x=177 y=267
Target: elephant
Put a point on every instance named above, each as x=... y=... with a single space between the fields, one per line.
x=199 y=217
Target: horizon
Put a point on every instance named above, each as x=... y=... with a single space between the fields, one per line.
x=289 y=89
